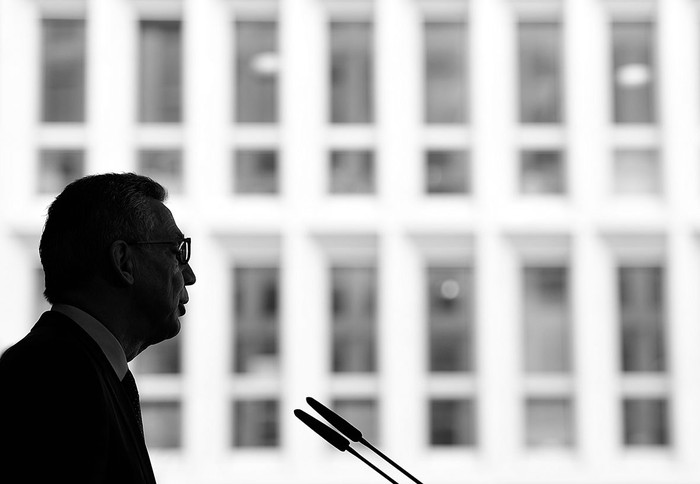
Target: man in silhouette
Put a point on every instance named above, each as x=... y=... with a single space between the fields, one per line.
x=116 y=273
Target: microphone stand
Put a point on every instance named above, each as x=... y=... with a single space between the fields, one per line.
x=336 y=440
x=386 y=458
x=342 y=443
x=381 y=472
x=353 y=433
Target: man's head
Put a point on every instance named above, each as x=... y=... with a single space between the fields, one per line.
x=102 y=228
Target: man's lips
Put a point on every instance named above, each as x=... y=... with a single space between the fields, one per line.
x=181 y=306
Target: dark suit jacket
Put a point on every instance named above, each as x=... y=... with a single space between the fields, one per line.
x=64 y=415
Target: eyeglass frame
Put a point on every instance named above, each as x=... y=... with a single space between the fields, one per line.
x=185 y=240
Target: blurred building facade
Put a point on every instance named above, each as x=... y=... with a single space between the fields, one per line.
x=470 y=226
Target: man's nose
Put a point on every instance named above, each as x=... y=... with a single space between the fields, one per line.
x=189 y=276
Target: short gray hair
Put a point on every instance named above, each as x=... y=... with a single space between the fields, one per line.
x=86 y=218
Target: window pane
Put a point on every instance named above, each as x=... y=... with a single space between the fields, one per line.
x=256 y=423
x=548 y=423
x=646 y=422
x=450 y=313
x=162 y=424
x=633 y=72
x=352 y=72
x=642 y=318
x=255 y=172
x=58 y=168
x=160 y=71
x=637 y=172
x=452 y=422
x=447 y=172
x=362 y=414
x=161 y=358
x=63 y=85
x=257 y=70
x=540 y=72
x=546 y=319
x=164 y=166
x=256 y=339
x=354 y=319
x=352 y=172
x=542 y=172
x=445 y=72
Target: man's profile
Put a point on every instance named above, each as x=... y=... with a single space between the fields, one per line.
x=116 y=274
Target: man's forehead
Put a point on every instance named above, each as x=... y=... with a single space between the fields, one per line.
x=172 y=229
x=166 y=221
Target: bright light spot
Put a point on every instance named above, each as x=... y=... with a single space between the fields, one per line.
x=633 y=75
x=449 y=289
x=265 y=64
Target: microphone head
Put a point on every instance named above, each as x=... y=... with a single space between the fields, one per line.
x=345 y=427
x=331 y=436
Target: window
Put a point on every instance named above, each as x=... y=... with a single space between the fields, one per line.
x=354 y=319
x=362 y=414
x=542 y=172
x=450 y=314
x=645 y=422
x=160 y=76
x=352 y=72
x=447 y=172
x=255 y=172
x=637 y=172
x=452 y=422
x=548 y=422
x=164 y=166
x=352 y=172
x=256 y=423
x=642 y=319
x=539 y=46
x=634 y=73
x=257 y=70
x=256 y=326
x=446 y=88
x=546 y=319
x=63 y=63
x=59 y=167
x=162 y=424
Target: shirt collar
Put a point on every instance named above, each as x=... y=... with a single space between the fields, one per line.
x=98 y=332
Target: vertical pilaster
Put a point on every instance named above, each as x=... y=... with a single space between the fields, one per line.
x=492 y=72
x=304 y=333
x=402 y=339
x=397 y=78
x=111 y=86
x=303 y=108
x=587 y=117
x=679 y=106
x=398 y=63
x=19 y=102
x=596 y=364
x=207 y=60
x=205 y=403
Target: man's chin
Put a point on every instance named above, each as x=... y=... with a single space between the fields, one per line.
x=175 y=328
x=170 y=330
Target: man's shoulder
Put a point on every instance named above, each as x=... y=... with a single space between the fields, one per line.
x=53 y=347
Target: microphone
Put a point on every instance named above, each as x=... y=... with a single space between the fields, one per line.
x=335 y=439
x=353 y=433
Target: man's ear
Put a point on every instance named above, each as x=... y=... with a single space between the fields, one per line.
x=121 y=262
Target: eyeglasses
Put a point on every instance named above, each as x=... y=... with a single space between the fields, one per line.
x=184 y=247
